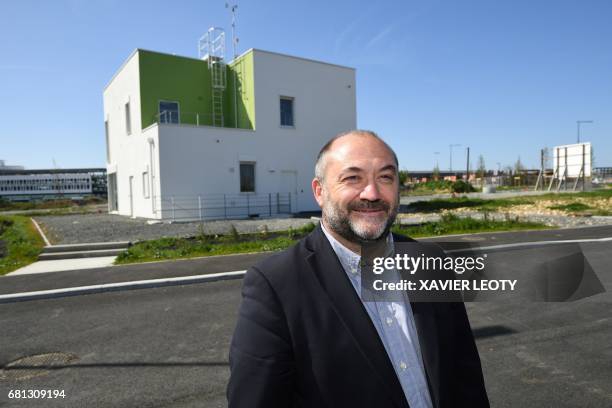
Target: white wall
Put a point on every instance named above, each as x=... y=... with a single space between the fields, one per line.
x=129 y=154
x=324 y=106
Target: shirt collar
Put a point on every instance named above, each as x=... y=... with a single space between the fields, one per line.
x=348 y=259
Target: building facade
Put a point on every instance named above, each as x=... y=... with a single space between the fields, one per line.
x=18 y=184
x=180 y=148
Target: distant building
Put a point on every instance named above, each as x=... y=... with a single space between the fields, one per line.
x=192 y=138
x=602 y=175
x=25 y=185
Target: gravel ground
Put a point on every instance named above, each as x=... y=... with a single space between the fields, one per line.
x=84 y=228
x=561 y=221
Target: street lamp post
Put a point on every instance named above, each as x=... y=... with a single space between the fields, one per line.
x=578 y=123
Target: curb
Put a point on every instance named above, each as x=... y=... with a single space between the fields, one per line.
x=114 y=287
x=40 y=231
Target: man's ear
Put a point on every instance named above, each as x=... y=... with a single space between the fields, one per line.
x=317 y=191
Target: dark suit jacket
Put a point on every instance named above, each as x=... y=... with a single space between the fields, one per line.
x=304 y=339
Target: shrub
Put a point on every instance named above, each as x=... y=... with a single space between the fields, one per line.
x=461 y=186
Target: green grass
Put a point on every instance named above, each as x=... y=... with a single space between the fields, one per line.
x=464 y=202
x=438 y=187
x=22 y=241
x=604 y=193
x=234 y=243
x=208 y=245
x=452 y=224
x=573 y=207
x=6 y=205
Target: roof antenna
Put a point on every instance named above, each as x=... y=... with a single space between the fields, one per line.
x=233 y=8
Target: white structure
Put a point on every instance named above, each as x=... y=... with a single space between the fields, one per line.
x=165 y=160
x=571 y=162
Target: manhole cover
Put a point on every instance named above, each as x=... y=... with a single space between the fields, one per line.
x=35 y=366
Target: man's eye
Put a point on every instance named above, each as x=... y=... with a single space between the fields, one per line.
x=388 y=177
x=351 y=178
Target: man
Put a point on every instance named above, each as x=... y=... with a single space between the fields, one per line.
x=305 y=338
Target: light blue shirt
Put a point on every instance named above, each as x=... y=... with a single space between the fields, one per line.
x=395 y=325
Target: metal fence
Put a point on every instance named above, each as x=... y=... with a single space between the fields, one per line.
x=222 y=206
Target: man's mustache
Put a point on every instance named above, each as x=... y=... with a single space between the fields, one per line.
x=369 y=205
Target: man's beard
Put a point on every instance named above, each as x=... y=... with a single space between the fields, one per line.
x=339 y=220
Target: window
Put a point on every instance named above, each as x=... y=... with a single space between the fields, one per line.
x=247 y=177
x=168 y=112
x=286 y=111
x=128 y=119
x=108 y=157
x=145 y=184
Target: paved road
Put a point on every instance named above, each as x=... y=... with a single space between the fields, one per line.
x=167 y=347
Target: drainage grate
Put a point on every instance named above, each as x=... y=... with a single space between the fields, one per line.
x=35 y=366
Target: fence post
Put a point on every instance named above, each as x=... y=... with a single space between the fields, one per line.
x=277 y=203
x=270 y=204
x=584 y=168
x=289 y=203
x=248 y=206
x=200 y=206
x=172 y=201
x=197 y=119
x=224 y=207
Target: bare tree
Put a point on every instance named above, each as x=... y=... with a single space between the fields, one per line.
x=436 y=173
x=482 y=169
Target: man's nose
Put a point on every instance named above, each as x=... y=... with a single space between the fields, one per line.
x=370 y=192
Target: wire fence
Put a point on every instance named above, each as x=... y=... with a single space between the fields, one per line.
x=222 y=206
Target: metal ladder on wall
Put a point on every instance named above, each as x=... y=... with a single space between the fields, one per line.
x=217 y=77
x=211 y=47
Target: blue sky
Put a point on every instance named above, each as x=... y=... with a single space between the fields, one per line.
x=503 y=77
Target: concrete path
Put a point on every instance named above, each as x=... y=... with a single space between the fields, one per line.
x=59 y=265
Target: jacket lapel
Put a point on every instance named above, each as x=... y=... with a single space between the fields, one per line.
x=346 y=303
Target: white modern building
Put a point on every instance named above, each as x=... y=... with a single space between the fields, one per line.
x=191 y=138
x=19 y=184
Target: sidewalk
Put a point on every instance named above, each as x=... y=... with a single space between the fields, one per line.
x=60 y=265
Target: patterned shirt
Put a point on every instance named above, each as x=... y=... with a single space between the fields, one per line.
x=395 y=325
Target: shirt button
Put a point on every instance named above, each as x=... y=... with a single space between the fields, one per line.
x=403 y=366
x=389 y=321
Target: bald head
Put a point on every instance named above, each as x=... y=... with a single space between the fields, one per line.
x=321 y=163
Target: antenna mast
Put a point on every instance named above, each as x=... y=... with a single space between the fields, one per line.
x=233 y=8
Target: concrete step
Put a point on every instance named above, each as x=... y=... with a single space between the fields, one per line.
x=80 y=254
x=92 y=246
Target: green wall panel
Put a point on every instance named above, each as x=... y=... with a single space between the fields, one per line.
x=187 y=80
